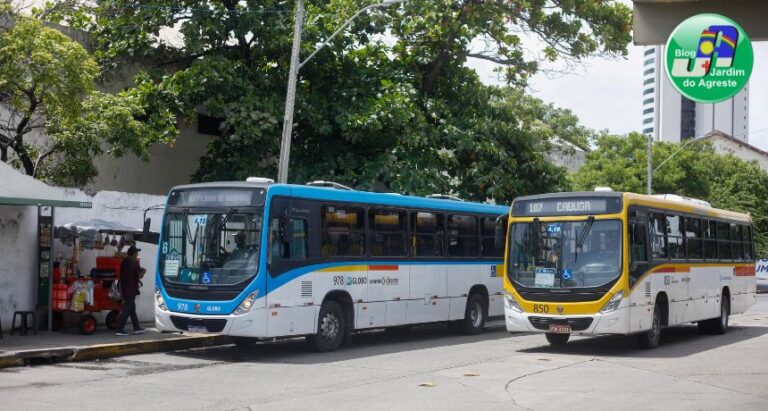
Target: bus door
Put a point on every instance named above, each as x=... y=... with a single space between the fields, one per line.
x=290 y=299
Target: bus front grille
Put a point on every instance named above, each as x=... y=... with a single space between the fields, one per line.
x=214 y=325
x=577 y=324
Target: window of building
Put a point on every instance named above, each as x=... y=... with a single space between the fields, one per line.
x=428 y=234
x=209 y=125
x=648 y=130
x=649 y=91
x=648 y=120
x=648 y=110
x=343 y=231
x=649 y=61
x=463 y=236
x=387 y=232
x=648 y=81
x=649 y=51
x=648 y=71
x=648 y=101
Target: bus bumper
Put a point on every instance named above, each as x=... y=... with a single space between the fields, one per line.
x=251 y=324
x=614 y=322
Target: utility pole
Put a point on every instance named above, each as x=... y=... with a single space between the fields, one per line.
x=290 y=97
x=293 y=74
x=649 y=180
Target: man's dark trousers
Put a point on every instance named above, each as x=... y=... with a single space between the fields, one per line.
x=129 y=309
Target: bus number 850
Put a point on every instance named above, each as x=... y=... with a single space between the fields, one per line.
x=541 y=308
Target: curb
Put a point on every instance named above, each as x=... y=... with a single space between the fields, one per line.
x=93 y=352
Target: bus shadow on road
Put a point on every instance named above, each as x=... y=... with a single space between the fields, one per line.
x=679 y=341
x=366 y=344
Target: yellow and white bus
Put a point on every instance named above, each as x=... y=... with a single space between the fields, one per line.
x=607 y=262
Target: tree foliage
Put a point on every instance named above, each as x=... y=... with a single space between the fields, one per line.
x=56 y=121
x=390 y=104
x=697 y=171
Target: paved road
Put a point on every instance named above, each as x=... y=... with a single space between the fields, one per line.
x=428 y=369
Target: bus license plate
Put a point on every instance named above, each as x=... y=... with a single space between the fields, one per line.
x=197 y=329
x=560 y=328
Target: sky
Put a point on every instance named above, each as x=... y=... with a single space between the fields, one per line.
x=606 y=94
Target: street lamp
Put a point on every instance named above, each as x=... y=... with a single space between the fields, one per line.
x=653 y=170
x=293 y=73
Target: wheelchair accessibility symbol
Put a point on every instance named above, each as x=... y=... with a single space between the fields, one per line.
x=206 y=278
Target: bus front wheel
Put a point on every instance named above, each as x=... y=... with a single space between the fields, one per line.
x=331 y=328
x=557 y=339
x=652 y=337
x=474 y=315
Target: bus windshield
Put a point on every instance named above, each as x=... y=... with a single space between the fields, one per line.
x=209 y=248
x=567 y=254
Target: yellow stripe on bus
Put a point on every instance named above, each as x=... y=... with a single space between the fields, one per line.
x=344 y=268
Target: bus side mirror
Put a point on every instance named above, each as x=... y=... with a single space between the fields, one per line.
x=145 y=230
x=498 y=234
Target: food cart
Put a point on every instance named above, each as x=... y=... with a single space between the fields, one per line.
x=86 y=293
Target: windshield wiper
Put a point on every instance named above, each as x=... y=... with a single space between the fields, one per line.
x=583 y=237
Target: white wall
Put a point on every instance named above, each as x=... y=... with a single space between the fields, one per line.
x=722 y=145
x=170 y=165
x=18 y=263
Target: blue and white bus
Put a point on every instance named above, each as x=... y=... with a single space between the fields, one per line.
x=262 y=260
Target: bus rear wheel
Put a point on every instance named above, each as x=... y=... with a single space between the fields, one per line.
x=331 y=328
x=557 y=338
x=652 y=337
x=718 y=325
x=474 y=315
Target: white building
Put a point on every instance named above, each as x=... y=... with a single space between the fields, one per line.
x=669 y=116
x=725 y=144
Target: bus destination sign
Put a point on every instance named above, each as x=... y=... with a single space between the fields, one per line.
x=220 y=197
x=567 y=206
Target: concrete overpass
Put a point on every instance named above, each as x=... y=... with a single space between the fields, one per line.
x=654 y=20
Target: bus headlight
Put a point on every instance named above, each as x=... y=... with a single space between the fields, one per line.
x=613 y=303
x=159 y=300
x=247 y=304
x=512 y=303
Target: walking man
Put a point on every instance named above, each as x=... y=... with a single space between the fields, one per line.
x=130 y=274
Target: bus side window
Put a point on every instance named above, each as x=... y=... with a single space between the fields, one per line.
x=287 y=246
x=658 y=232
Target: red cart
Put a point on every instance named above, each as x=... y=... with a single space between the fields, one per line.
x=97 y=285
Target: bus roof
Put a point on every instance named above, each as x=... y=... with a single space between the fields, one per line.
x=355 y=196
x=681 y=205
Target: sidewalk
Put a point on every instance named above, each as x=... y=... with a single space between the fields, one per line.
x=70 y=345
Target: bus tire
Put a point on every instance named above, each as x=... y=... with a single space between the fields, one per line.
x=474 y=315
x=651 y=338
x=244 y=342
x=717 y=325
x=557 y=338
x=331 y=328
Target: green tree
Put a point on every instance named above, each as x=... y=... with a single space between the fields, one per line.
x=47 y=86
x=390 y=104
x=697 y=171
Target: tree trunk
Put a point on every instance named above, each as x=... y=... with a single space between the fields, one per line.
x=4 y=154
x=431 y=76
x=26 y=160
